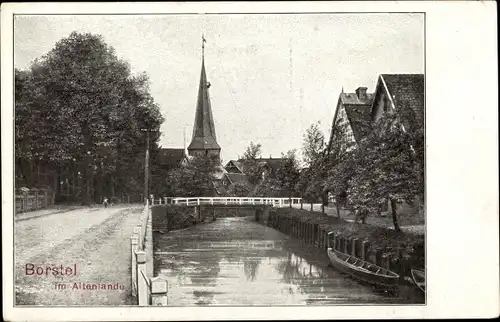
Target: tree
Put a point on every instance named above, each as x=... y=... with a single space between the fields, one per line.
x=88 y=109
x=387 y=166
x=239 y=189
x=339 y=166
x=250 y=164
x=196 y=179
x=268 y=187
x=314 y=144
x=312 y=181
x=288 y=174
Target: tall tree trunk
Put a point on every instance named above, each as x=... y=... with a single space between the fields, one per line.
x=394 y=215
x=86 y=201
x=113 y=191
x=338 y=208
x=290 y=198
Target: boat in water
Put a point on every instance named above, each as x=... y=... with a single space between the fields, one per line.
x=418 y=278
x=363 y=270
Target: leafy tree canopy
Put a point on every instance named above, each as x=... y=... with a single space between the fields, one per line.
x=81 y=103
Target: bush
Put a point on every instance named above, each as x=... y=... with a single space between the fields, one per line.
x=170 y=217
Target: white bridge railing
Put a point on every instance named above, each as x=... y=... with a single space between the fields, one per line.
x=197 y=201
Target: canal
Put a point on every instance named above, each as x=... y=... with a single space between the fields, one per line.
x=236 y=261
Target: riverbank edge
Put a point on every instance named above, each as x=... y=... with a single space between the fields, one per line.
x=397 y=251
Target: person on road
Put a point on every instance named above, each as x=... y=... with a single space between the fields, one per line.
x=105 y=202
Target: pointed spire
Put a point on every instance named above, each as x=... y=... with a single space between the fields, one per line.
x=203 y=41
x=342 y=89
x=204 y=137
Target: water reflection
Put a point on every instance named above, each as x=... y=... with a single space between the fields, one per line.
x=239 y=262
x=251 y=266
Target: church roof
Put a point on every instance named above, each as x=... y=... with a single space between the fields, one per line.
x=204 y=137
x=170 y=158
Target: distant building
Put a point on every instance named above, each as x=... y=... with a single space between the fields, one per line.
x=268 y=166
x=232 y=178
x=234 y=166
x=354 y=114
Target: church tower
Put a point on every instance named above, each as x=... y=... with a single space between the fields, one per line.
x=204 y=140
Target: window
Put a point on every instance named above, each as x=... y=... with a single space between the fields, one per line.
x=386 y=103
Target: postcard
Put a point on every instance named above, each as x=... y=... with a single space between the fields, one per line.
x=189 y=161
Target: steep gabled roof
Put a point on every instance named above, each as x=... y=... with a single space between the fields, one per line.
x=170 y=158
x=236 y=177
x=407 y=93
x=204 y=128
x=273 y=163
x=236 y=164
x=358 y=110
x=359 y=117
x=354 y=99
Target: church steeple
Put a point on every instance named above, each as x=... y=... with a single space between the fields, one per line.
x=204 y=141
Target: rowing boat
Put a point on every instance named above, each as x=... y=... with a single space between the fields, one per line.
x=362 y=270
x=418 y=278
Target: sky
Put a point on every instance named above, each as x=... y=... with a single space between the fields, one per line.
x=271 y=76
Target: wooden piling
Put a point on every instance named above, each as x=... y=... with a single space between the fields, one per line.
x=353 y=246
x=364 y=249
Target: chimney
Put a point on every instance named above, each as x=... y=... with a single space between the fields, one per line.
x=361 y=92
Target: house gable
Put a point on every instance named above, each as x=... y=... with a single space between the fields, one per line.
x=354 y=112
x=404 y=93
x=234 y=166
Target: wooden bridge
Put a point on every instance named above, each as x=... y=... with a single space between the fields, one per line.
x=228 y=201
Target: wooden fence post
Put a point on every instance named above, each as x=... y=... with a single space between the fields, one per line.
x=159 y=289
x=134 y=242
x=142 y=283
x=329 y=238
x=149 y=247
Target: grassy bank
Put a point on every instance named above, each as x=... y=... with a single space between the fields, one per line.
x=398 y=246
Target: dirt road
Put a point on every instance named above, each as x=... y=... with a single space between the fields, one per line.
x=58 y=256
